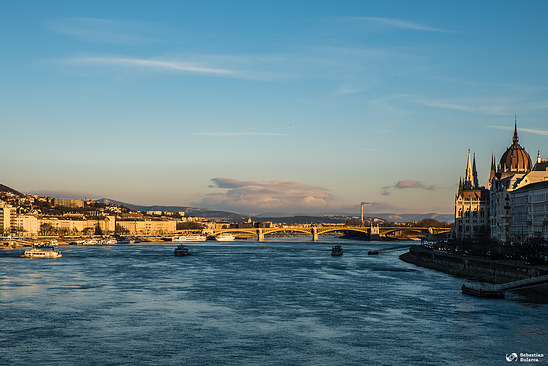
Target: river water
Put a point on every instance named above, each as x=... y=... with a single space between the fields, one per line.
x=280 y=302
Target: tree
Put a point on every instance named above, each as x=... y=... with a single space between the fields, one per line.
x=98 y=230
x=47 y=229
x=120 y=230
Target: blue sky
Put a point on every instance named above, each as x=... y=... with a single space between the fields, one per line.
x=268 y=107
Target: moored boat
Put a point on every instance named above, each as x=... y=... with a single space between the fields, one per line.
x=90 y=241
x=225 y=237
x=186 y=238
x=41 y=252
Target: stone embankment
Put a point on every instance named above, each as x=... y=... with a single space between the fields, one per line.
x=472 y=267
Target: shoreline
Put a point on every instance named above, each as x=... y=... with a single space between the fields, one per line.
x=473 y=267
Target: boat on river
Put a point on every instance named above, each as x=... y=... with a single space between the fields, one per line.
x=225 y=237
x=336 y=251
x=181 y=251
x=187 y=238
x=41 y=252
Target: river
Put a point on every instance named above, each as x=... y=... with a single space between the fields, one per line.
x=278 y=302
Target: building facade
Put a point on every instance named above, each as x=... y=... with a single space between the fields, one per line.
x=513 y=194
x=7 y=217
x=529 y=212
x=471 y=207
x=26 y=225
x=68 y=202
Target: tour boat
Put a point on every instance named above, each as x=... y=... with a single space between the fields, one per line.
x=184 y=238
x=110 y=241
x=41 y=252
x=225 y=237
x=90 y=242
x=181 y=251
x=337 y=251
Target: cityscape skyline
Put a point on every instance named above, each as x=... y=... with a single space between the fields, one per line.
x=273 y=107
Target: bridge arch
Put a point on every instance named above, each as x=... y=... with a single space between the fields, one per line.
x=322 y=230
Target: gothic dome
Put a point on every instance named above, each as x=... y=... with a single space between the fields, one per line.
x=515 y=159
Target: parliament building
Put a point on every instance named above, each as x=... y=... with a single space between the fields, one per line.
x=513 y=208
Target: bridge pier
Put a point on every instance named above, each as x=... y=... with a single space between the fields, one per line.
x=314 y=234
x=374 y=232
x=260 y=234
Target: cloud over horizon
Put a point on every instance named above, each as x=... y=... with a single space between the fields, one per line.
x=406 y=184
x=256 y=196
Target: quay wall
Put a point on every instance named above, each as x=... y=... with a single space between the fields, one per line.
x=473 y=268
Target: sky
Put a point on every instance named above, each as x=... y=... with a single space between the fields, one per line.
x=263 y=107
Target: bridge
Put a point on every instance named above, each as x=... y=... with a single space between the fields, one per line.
x=315 y=231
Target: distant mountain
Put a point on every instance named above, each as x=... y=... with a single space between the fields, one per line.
x=189 y=211
x=290 y=219
x=63 y=194
x=4 y=188
x=232 y=216
x=416 y=217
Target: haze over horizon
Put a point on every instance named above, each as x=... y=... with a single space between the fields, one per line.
x=257 y=107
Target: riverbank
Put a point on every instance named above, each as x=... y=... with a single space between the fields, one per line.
x=473 y=267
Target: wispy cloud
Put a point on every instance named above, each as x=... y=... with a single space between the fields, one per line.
x=488 y=107
x=256 y=196
x=528 y=130
x=105 y=30
x=239 y=134
x=201 y=64
x=148 y=63
x=397 y=23
x=406 y=184
x=347 y=89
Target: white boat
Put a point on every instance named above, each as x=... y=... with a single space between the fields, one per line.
x=225 y=237
x=90 y=242
x=41 y=253
x=185 y=238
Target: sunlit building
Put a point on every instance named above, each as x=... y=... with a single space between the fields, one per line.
x=515 y=198
x=68 y=202
x=7 y=217
x=26 y=225
x=471 y=207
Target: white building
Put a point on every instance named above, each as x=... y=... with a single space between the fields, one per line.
x=513 y=190
x=529 y=212
x=26 y=225
x=7 y=216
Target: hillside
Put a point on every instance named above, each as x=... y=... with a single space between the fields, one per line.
x=4 y=188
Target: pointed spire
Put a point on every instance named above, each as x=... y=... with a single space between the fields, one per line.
x=493 y=169
x=493 y=163
x=475 y=173
x=515 y=139
x=469 y=177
